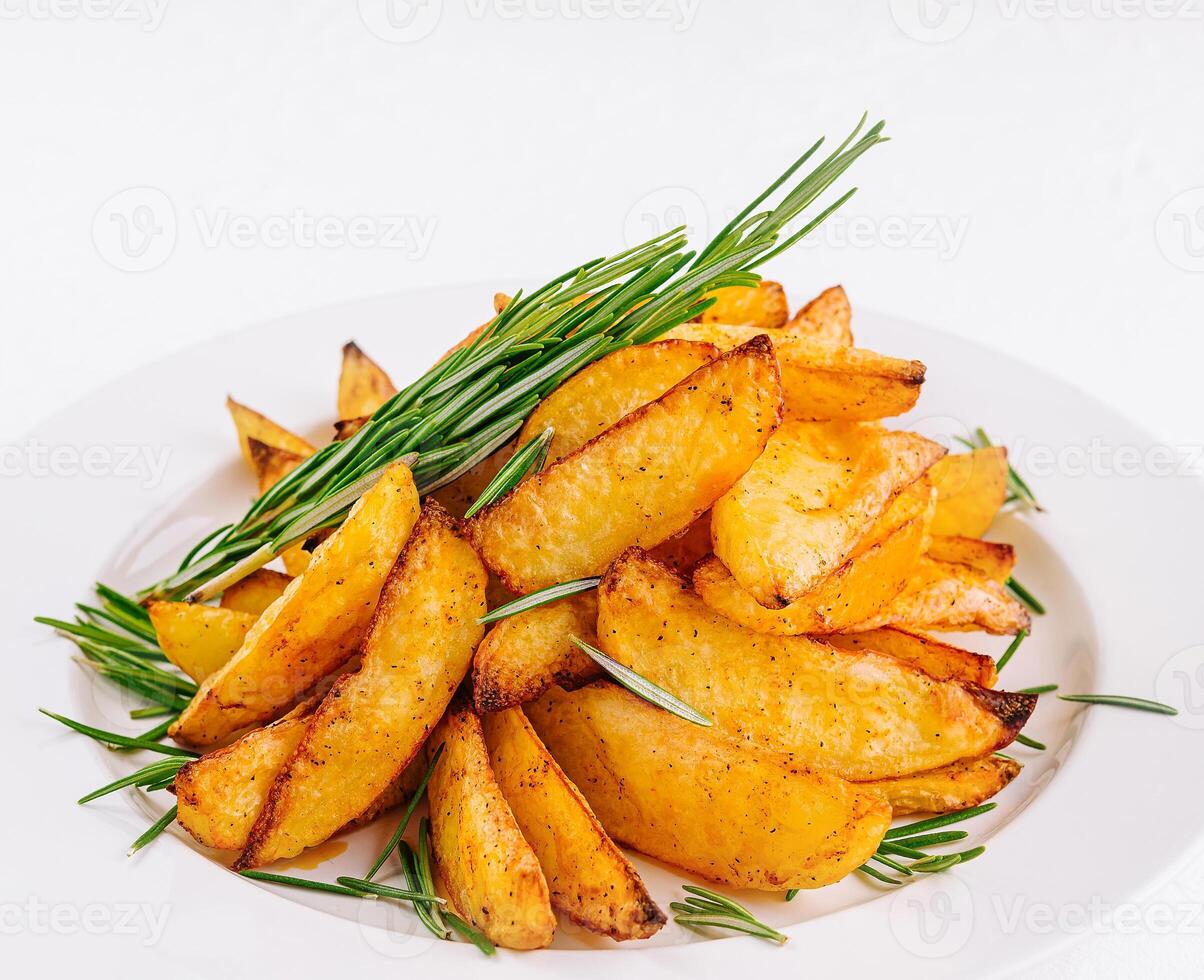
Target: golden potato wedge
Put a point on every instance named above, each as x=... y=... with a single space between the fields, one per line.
x=457 y=496
x=799 y=512
x=317 y=623
x=489 y=871
x=942 y=596
x=943 y=661
x=597 y=396
x=859 y=714
x=363 y=384
x=372 y=723
x=588 y=877
x=858 y=590
x=523 y=655
x=643 y=480
x=954 y=787
x=970 y=489
x=271 y=464
x=256 y=592
x=198 y=639
x=726 y=810
x=828 y=317
x=295 y=560
x=993 y=559
x=500 y=302
x=251 y=425
x=685 y=550
x=763 y=305
x=344 y=429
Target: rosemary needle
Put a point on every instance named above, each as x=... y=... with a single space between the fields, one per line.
x=534 y=600
x=154 y=831
x=641 y=686
x=405 y=818
x=1010 y=651
x=1120 y=701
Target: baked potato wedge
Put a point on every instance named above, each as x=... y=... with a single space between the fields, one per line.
x=256 y=592
x=957 y=786
x=373 y=722
x=271 y=463
x=685 y=550
x=588 y=877
x=858 y=590
x=489 y=872
x=523 y=655
x=994 y=559
x=250 y=424
x=862 y=715
x=800 y=511
x=198 y=639
x=942 y=596
x=363 y=384
x=943 y=661
x=315 y=626
x=723 y=809
x=763 y=305
x=643 y=480
x=600 y=394
x=970 y=489
x=828 y=317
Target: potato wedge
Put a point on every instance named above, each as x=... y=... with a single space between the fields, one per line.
x=271 y=464
x=762 y=305
x=588 y=877
x=256 y=592
x=943 y=661
x=363 y=384
x=993 y=559
x=597 y=396
x=858 y=590
x=862 y=715
x=524 y=655
x=799 y=512
x=457 y=496
x=295 y=560
x=317 y=623
x=372 y=723
x=954 y=787
x=198 y=639
x=249 y=424
x=489 y=871
x=943 y=596
x=344 y=429
x=726 y=810
x=970 y=489
x=828 y=317
x=685 y=550
x=643 y=480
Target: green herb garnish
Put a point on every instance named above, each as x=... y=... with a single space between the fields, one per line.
x=704 y=907
x=541 y=598
x=641 y=686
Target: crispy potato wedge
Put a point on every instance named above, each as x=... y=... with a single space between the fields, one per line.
x=372 y=723
x=597 y=396
x=363 y=384
x=523 y=655
x=490 y=873
x=763 y=305
x=256 y=592
x=588 y=877
x=954 y=787
x=942 y=596
x=457 y=496
x=344 y=429
x=799 y=512
x=828 y=317
x=862 y=715
x=251 y=425
x=500 y=302
x=198 y=639
x=943 y=661
x=726 y=810
x=993 y=559
x=643 y=480
x=683 y=551
x=970 y=489
x=296 y=560
x=858 y=590
x=315 y=626
x=271 y=464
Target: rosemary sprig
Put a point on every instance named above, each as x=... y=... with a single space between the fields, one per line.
x=529 y=459
x=541 y=598
x=113 y=739
x=1120 y=701
x=1032 y=743
x=864 y=869
x=153 y=831
x=405 y=817
x=1023 y=594
x=1039 y=689
x=907 y=841
x=429 y=915
x=320 y=886
x=704 y=907
x=387 y=891
x=935 y=823
x=152 y=774
x=471 y=933
x=1010 y=651
x=931 y=840
x=641 y=686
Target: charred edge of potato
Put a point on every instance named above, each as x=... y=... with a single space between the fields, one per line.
x=955 y=787
x=344 y=429
x=489 y=697
x=1010 y=707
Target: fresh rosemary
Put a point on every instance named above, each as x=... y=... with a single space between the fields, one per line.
x=541 y=598
x=405 y=817
x=909 y=840
x=706 y=908
x=529 y=459
x=639 y=685
x=1010 y=651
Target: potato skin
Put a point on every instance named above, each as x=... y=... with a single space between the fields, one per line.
x=523 y=655
x=489 y=871
x=941 y=660
x=970 y=489
x=691 y=796
x=828 y=318
x=641 y=481
x=373 y=722
x=957 y=786
x=589 y=879
x=315 y=626
x=860 y=714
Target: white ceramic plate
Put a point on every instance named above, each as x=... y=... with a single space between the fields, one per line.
x=1092 y=822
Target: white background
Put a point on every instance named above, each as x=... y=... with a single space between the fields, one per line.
x=1043 y=193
